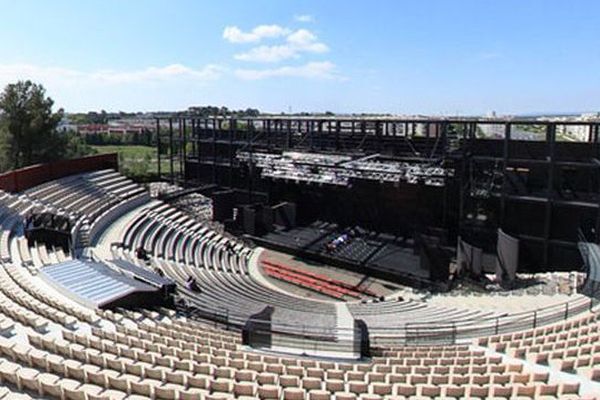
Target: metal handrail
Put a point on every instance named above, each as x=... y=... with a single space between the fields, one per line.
x=426 y=332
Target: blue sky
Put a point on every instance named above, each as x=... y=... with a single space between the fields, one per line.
x=425 y=57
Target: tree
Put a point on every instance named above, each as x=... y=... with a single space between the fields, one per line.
x=251 y=112
x=28 y=133
x=73 y=146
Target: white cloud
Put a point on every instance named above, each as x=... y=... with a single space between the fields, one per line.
x=145 y=88
x=304 y=18
x=268 y=54
x=305 y=40
x=300 y=41
x=169 y=72
x=234 y=34
x=311 y=70
x=14 y=72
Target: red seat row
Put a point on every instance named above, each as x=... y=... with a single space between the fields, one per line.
x=302 y=282
x=322 y=278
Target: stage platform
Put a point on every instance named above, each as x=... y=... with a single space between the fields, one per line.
x=382 y=256
x=98 y=286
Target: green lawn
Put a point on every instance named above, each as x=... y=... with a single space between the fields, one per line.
x=137 y=162
x=129 y=152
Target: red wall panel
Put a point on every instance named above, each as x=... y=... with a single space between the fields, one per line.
x=24 y=178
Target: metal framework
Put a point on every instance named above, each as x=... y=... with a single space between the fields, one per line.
x=525 y=176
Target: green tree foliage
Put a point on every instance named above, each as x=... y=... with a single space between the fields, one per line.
x=28 y=128
x=73 y=146
x=206 y=111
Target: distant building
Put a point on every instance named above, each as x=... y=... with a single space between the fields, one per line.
x=66 y=125
x=114 y=128
x=578 y=133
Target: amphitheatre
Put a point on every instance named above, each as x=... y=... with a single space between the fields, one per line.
x=308 y=258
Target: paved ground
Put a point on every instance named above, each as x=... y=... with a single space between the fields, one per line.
x=380 y=287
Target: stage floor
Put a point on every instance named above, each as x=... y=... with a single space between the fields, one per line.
x=366 y=253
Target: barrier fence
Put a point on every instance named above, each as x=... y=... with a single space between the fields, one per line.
x=432 y=333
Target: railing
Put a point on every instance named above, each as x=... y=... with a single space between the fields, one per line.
x=470 y=329
x=407 y=334
x=301 y=339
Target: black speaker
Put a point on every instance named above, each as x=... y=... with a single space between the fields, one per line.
x=434 y=259
x=267 y=218
x=223 y=203
x=249 y=220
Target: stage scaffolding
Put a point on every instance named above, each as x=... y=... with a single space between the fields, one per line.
x=538 y=180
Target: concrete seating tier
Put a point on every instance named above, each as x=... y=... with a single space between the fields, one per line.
x=87 y=194
x=182 y=248
x=135 y=361
x=238 y=297
x=49 y=350
x=570 y=346
x=165 y=232
x=13 y=291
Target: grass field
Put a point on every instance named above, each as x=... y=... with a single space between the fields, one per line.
x=137 y=162
x=129 y=152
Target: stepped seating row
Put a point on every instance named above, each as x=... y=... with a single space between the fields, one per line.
x=8 y=220
x=38 y=255
x=439 y=321
x=88 y=194
x=378 y=315
x=469 y=368
x=49 y=375
x=19 y=296
x=200 y=253
x=164 y=357
x=184 y=333
x=135 y=365
x=141 y=362
x=50 y=255
x=22 y=314
x=585 y=324
x=227 y=354
x=239 y=296
x=16 y=285
x=167 y=233
x=569 y=346
x=8 y=393
x=24 y=281
x=154 y=367
x=515 y=299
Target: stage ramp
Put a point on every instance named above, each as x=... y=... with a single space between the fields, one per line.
x=95 y=285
